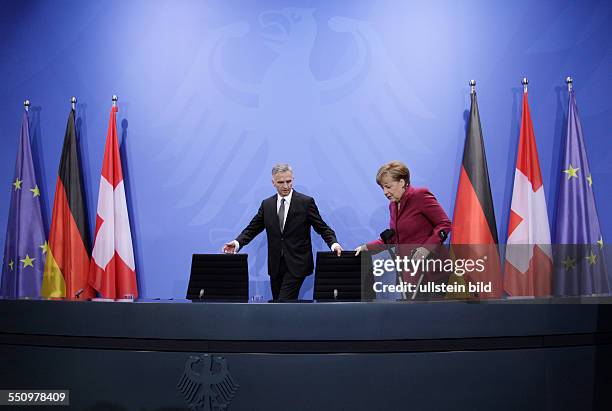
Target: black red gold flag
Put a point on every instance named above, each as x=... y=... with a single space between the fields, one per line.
x=67 y=264
x=474 y=232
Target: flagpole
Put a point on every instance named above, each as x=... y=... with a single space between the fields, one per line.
x=473 y=86
x=115 y=100
x=73 y=102
x=524 y=82
x=569 y=82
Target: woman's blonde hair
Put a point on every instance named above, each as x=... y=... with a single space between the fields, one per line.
x=396 y=170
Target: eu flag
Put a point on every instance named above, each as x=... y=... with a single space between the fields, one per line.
x=579 y=263
x=25 y=246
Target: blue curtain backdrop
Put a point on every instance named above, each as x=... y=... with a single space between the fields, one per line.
x=212 y=94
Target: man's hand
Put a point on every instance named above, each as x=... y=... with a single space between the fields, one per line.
x=360 y=249
x=338 y=249
x=229 y=248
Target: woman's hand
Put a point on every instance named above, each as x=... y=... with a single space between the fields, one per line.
x=360 y=249
x=420 y=253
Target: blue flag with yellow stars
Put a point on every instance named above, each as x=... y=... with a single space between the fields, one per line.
x=25 y=246
x=580 y=267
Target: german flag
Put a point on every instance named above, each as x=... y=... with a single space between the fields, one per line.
x=474 y=232
x=67 y=265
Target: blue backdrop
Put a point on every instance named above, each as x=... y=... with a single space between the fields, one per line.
x=212 y=94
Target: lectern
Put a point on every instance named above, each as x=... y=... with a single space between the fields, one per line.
x=219 y=277
x=344 y=278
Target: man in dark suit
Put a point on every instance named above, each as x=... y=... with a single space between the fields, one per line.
x=287 y=217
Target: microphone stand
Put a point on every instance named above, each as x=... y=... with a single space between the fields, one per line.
x=416 y=290
x=443 y=236
x=386 y=236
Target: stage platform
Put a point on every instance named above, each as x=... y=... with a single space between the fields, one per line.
x=534 y=355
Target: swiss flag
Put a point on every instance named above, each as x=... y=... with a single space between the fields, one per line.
x=528 y=267
x=112 y=271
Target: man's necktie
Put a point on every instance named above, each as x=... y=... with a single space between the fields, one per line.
x=281 y=215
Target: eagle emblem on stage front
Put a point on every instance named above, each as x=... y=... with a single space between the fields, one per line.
x=206 y=383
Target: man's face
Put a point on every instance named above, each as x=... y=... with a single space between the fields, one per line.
x=283 y=182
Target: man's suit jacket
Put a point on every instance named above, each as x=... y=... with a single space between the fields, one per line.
x=294 y=241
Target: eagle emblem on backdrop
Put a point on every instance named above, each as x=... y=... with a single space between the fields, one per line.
x=206 y=383
x=261 y=91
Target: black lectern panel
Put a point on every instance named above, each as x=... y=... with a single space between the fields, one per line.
x=343 y=275
x=221 y=277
